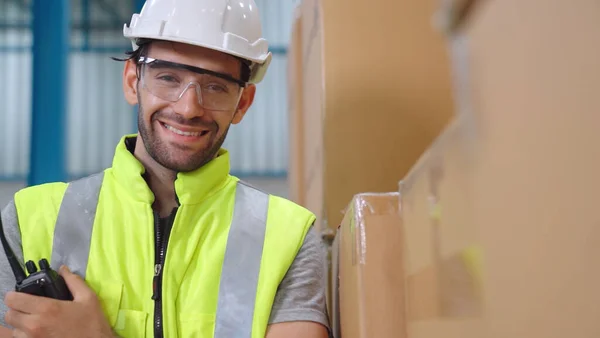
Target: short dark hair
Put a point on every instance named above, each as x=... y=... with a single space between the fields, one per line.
x=144 y=46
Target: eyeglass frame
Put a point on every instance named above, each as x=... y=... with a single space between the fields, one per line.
x=149 y=61
x=144 y=60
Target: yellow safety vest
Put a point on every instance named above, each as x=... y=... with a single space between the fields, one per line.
x=227 y=250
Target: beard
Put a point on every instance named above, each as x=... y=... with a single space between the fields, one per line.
x=165 y=154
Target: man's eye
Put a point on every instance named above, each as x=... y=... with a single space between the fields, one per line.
x=215 y=88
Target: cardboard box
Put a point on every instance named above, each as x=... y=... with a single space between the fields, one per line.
x=500 y=215
x=296 y=121
x=370 y=290
x=312 y=109
x=376 y=91
x=443 y=254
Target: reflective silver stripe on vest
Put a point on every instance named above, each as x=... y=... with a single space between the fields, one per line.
x=241 y=265
x=73 y=230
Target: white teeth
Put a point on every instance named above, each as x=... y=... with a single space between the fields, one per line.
x=177 y=131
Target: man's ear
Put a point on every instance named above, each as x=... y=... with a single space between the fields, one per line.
x=245 y=103
x=130 y=82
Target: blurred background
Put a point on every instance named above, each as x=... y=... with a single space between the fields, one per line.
x=96 y=115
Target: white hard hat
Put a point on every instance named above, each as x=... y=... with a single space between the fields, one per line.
x=228 y=26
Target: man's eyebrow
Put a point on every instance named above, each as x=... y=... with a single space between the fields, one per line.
x=164 y=64
x=161 y=65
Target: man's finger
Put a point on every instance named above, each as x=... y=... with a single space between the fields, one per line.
x=79 y=289
x=26 y=303
x=16 y=319
x=5 y=332
x=19 y=334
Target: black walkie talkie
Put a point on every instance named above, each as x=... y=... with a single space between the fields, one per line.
x=43 y=282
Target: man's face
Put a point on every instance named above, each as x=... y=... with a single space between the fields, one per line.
x=185 y=130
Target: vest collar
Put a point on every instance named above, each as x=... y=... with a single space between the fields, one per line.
x=190 y=187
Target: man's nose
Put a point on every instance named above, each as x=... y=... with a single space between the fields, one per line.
x=189 y=104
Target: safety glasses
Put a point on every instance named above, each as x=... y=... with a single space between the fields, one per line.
x=169 y=81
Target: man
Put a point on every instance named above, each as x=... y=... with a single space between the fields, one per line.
x=165 y=243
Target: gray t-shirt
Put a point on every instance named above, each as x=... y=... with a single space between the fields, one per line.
x=300 y=297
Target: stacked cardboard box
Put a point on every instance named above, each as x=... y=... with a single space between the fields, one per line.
x=295 y=103
x=443 y=253
x=369 y=293
x=371 y=89
x=500 y=215
x=498 y=231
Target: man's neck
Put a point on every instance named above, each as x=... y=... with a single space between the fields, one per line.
x=160 y=180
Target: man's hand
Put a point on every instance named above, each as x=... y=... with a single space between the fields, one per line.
x=33 y=316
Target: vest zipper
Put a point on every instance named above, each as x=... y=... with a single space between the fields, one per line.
x=160 y=251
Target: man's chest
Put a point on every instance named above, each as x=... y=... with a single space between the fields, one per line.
x=151 y=274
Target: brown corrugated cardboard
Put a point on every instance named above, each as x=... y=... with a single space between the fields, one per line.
x=443 y=256
x=371 y=291
x=500 y=215
x=377 y=90
x=296 y=121
x=312 y=107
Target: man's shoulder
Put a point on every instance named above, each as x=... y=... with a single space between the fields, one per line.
x=35 y=202
x=288 y=205
x=281 y=203
x=51 y=192
x=40 y=192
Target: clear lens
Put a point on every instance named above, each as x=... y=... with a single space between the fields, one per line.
x=170 y=83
